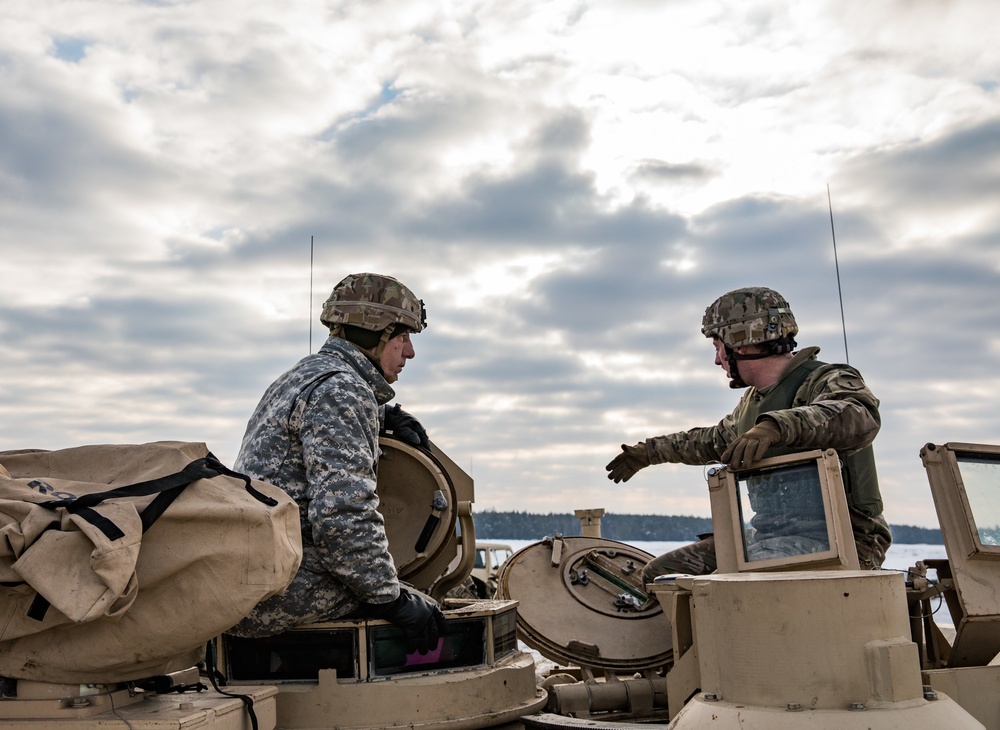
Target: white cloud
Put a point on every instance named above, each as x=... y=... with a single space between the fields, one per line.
x=566 y=184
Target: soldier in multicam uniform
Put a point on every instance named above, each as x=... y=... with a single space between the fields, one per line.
x=794 y=403
x=315 y=434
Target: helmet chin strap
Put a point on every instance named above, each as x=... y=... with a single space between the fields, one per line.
x=735 y=379
x=383 y=341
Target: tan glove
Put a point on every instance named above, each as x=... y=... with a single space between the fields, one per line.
x=624 y=466
x=751 y=446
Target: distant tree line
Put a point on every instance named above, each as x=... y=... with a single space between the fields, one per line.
x=912 y=535
x=491 y=524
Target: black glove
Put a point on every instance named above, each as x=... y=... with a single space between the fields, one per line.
x=624 y=466
x=405 y=427
x=421 y=621
x=750 y=447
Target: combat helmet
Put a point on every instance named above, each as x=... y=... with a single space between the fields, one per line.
x=373 y=302
x=368 y=310
x=751 y=316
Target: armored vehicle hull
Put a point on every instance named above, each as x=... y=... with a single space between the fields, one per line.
x=792 y=640
x=769 y=641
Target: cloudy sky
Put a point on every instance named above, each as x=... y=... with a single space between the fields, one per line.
x=567 y=184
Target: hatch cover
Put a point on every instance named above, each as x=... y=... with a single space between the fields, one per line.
x=411 y=483
x=582 y=602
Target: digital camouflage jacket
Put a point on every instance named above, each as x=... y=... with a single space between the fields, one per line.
x=315 y=435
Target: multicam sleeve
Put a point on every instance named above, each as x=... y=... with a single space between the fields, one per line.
x=340 y=441
x=833 y=409
x=696 y=446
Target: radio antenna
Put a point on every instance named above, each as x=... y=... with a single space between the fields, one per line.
x=836 y=264
x=310 y=295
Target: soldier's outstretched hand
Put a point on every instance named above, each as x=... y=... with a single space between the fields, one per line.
x=624 y=466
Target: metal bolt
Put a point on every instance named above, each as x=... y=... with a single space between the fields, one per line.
x=857 y=706
x=711 y=697
x=794 y=707
x=79 y=702
x=929 y=694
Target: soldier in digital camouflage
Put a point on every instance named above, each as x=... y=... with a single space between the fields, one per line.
x=793 y=403
x=315 y=435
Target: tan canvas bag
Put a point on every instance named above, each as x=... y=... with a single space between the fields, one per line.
x=120 y=562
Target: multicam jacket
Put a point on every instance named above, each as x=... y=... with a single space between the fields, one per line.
x=831 y=408
x=842 y=414
x=315 y=435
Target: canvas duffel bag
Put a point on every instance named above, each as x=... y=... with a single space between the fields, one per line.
x=119 y=562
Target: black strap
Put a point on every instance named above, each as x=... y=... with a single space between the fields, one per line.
x=166 y=488
x=215 y=676
x=38 y=608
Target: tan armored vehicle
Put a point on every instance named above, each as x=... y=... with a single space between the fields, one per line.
x=489 y=557
x=799 y=640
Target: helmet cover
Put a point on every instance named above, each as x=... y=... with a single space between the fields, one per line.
x=373 y=302
x=749 y=316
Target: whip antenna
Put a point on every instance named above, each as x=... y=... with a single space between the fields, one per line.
x=310 y=295
x=836 y=264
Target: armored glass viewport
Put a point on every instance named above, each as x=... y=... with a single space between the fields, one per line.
x=981 y=480
x=782 y=512
x=787 y=513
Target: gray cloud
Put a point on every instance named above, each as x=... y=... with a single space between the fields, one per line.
x=945 y=173
x=162 y=174
x=660 y=170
